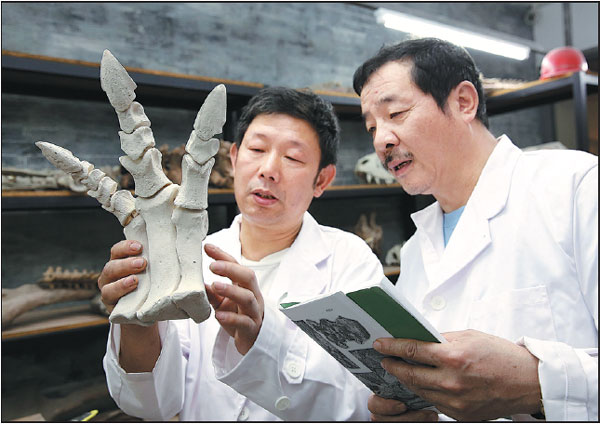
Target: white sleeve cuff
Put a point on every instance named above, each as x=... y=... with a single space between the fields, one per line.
x=568 y=380
x=150 y=395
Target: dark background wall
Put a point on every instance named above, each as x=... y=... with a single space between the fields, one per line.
x=292 y=44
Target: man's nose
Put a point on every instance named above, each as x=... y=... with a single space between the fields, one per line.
x=270 y=167
x=385 y=139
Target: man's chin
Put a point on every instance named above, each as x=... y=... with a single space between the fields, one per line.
x=412 y=189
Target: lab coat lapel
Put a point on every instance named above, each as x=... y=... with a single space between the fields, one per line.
x=472 y=233
x=299 y=277
x=431 y=239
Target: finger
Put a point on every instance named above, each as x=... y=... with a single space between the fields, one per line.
x=421 y=415
x=116 y=269
x=233 y=320
x=244 y=298
x=111 y=293
x=411 y=350
x=240 y=275
x=218 y=254
x=213 y=297
x=416 y=377
x=381 y=406
x=125 y=248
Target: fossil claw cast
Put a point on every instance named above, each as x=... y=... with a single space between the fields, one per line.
x=170 y=221
x=212 y=114
x=116 y=82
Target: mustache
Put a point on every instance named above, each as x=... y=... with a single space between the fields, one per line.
x=390 y=156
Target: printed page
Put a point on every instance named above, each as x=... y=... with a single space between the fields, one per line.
x=347 y=333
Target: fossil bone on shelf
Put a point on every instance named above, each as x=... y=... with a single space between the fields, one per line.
x=56 y=286
x=169 y=220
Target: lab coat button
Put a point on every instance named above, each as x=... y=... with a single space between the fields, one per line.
x=438 y=303
x=282 y=403
x=244 y=415
x=293 y=369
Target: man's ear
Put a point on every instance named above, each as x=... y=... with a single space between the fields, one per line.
x=465 y=99
x=233 y=151
x=325 y=177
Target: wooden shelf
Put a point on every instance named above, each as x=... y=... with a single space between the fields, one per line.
x=539 y=92
x=576 y=86
x=52 y=320
x=391 y=271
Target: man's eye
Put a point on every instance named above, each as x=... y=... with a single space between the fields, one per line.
x=371 y=130
x=254 y=149
x=292 y=159
x=394 y=114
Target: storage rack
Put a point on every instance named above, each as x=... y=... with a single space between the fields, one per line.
x=576 y=86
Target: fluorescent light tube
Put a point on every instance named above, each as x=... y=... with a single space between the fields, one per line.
x=426 y=28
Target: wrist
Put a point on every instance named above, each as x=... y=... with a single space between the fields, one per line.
x=140 y=347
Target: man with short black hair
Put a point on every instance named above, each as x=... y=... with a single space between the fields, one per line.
x=248 y=361
x=505 y=262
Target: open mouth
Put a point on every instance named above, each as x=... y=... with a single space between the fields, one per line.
x=397 y=165
x=264 y=196
x=402 y=165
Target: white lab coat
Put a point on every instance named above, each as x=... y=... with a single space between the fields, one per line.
x=285 y=371
x=522 y=264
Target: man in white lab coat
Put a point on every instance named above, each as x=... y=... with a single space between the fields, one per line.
x=284 y=156
x=505 y=262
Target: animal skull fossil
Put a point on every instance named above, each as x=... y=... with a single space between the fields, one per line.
x=392 y=257
x=370 y=169
x=169 y=220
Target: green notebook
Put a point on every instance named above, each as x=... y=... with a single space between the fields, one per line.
x=347 y=324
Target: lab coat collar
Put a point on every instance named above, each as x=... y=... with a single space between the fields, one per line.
x=471 y=235
x=298 y=275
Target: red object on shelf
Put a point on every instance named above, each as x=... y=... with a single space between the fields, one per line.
x=562 y=60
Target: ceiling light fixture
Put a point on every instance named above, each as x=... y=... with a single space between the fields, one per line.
x=426 y=28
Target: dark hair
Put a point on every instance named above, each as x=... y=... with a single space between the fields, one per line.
x=301 y=104
x=438 y=67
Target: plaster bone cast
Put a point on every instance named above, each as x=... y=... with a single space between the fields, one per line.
x=56 y=286
x=18 y=179
x=170 y=220
x=370 y=232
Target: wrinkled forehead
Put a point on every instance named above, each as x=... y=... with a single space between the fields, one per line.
x=391 y=83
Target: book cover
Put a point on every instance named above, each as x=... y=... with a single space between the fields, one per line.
x=347 y=324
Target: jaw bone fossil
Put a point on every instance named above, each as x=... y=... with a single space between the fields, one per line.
x=169 y=220
x=56 y=286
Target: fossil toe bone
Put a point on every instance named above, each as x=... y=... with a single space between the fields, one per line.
x=169 y=220
x=136 y=143
x=147 y=173
x=133 y=118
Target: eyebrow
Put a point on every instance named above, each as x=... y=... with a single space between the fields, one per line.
x=384 y=100
x=265 y=137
